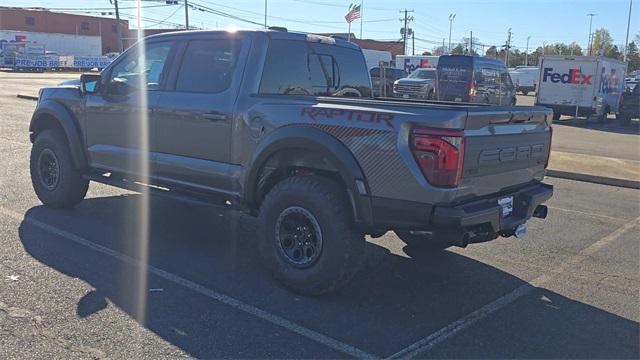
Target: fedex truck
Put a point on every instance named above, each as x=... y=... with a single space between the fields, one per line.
x=409 y=63
x=581 y=86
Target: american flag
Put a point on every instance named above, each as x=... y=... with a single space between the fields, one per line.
x=353 y=14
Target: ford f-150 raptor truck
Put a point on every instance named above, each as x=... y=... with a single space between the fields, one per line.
x=282 y=126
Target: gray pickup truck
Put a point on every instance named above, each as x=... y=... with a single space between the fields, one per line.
x=282 y=126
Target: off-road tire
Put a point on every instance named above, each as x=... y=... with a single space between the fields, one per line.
x=70 y=187
x=342 y=251
x=423 y=242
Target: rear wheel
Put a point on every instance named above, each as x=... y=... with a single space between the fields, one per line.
x=56 y=181
x=603 y=117
x=308 y=238
x=423 y=242
x=556 y=115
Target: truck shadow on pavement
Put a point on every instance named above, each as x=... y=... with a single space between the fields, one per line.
x=393 y=302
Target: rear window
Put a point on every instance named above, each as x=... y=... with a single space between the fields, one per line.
x=302 y=68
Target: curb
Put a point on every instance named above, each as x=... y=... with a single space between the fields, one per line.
x=27 y=97
x=603 y=180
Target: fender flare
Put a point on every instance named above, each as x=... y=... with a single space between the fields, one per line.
x=51 y=108
x=317 y=141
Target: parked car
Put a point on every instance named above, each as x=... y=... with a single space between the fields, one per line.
x=630 y=83
x=525 y=78
x=384 y=87
x=474 y=79
x=282 y=126
x=629 y=106
x=418 y=85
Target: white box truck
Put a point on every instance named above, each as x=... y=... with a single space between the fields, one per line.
x=581 y=86
x=409 y=63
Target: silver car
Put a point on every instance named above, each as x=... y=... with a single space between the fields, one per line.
x=420 y=84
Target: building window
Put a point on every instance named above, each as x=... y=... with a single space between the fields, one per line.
x=84 y=26
x=30 y=20
x=114 y=28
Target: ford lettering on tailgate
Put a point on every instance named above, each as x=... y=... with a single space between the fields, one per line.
x=494 y=156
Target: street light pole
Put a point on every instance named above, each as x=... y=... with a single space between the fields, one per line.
x=265 y=14
x=590 y=15
x=526 y=53
x=186 y=14
x=451 y=17
x=626 y=41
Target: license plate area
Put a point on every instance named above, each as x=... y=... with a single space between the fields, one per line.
x=506 y=205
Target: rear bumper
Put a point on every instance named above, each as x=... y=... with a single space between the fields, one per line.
x=488 y=214
x=483 y=216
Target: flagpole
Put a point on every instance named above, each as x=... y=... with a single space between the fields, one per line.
x=361 y=16
x=349 y=33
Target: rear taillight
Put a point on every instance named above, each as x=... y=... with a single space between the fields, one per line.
x=439 y=153
x=472 y=89
x=546 y=164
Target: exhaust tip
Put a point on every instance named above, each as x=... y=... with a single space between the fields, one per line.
x=540 y=211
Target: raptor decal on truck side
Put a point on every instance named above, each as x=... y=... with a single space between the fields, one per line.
x=317 y=114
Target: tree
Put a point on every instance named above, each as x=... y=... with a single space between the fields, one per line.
x=602 y=40
x=427 y=53
x=475 y=44
x=613 y=52
x=492 y=52
x=440 y=50
x=633 y=56
x=458 y=50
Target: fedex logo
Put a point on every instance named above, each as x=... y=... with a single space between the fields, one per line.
x=574 y=76
x=409 y=67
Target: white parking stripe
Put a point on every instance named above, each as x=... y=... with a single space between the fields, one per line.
x=455 y=327
x=227 y=300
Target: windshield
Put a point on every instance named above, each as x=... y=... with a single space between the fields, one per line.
x=423 y=74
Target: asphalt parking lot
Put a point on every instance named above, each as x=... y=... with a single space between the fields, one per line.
x=570 y=288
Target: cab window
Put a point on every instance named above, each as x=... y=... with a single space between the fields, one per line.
x=142 y=68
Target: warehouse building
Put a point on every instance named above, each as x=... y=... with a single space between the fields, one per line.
x=62 y=33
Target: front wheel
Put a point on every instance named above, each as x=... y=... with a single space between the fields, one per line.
x=308 y=238
x=56 y=181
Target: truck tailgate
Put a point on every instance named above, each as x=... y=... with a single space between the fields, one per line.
x=504 y=149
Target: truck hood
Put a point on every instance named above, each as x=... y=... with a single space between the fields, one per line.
x=412 y=81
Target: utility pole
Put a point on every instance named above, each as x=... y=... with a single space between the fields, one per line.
x=471 y=43
x=626 y=41
x=413 y=42
x=118 y=31
x=506 y=57
x=265 y=14
x=405 y=30
x=451 y=17
x=526 y=53
x=443 y=52
x=590 y=15
x=186 y=14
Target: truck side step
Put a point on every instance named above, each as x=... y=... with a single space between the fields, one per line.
x=184 y=196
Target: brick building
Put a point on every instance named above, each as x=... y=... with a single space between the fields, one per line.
x=40 y=20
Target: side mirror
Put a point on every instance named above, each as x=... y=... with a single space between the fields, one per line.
x=89 y=83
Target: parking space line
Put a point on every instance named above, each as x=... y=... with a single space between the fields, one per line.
x=588 y=214
x=427 y=343
x=225 y=299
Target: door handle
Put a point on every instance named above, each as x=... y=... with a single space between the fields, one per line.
x=214 y=116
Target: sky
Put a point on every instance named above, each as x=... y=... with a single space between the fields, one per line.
x=544 y=21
